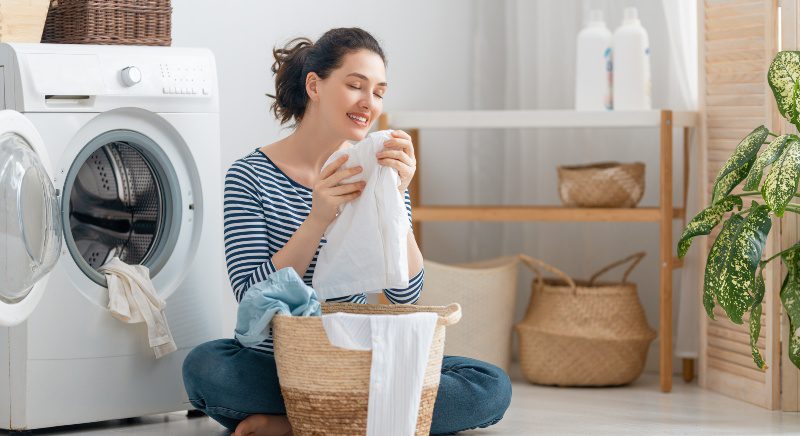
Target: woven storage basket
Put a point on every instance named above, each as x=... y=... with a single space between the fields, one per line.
x=578 y=333
x=486 y=291
x=326 y=388
x=122 y=22
x=604 y=184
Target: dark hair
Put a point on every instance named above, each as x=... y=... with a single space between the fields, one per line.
x=301 y=56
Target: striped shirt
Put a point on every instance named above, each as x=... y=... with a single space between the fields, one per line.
x=263 y=208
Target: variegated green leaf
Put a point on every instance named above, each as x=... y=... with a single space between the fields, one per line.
x=744 y=153
x=781 y=182
x=783 y=75
x=705 y=221
x=794 y=344
x=765 y=159
x=790 y=297
x=726 y=185
x=732 y=262
x=755 y=318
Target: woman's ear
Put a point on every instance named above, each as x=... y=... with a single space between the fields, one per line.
x=312 y=82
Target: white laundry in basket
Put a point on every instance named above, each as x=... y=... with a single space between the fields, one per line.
x=400 y=347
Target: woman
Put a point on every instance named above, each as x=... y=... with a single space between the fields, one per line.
x=279 y=201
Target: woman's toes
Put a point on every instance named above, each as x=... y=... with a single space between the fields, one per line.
x=263 y=425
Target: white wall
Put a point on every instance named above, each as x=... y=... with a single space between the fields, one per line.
x=429 y=50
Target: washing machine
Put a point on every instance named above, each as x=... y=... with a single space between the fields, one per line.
x=104 y=151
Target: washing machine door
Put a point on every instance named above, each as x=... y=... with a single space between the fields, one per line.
x=30 y=223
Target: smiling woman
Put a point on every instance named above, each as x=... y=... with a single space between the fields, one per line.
x=279 y=200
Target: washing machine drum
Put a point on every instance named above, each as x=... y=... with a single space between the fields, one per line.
x=115 y=206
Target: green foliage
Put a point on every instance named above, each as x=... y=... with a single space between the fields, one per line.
x=734 y=274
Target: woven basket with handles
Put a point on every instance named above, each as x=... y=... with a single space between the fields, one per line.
x=603 y=184
x=326 y=388
x=579 y=333
x=118 y=22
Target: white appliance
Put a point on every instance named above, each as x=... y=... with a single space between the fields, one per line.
x=104 y=151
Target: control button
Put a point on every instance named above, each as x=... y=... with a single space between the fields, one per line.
x=131 y=76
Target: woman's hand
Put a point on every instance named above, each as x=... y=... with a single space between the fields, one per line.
x=328 y=194
x=398 y=153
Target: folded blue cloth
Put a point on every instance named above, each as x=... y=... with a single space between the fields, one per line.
x=282 y=292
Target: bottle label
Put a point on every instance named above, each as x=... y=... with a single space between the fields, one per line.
x=648 y=84
x=607 y=101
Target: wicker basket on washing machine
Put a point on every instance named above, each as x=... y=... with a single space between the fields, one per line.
x=116 y=22
x=326 y=388
x=583 y=333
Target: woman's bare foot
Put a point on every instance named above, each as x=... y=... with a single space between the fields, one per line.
x=264 y=425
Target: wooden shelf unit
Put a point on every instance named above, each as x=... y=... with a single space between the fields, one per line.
x=665 y=120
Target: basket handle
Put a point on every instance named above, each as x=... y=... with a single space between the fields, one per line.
x=451 y=315
x=637 y=257
x=534 y=265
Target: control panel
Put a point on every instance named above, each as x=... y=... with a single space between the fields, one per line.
x=184 y=78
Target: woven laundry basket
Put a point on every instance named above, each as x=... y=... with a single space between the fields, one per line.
x=117 y=22
x=326 y=388
x=486 y=291
x=578 y=333
x=604 y=184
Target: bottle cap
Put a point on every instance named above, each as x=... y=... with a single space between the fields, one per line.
x=630 y=14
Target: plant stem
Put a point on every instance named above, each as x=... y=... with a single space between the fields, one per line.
x=792 y=207
x=772 y=134
x=747 y=194
x=778 y=254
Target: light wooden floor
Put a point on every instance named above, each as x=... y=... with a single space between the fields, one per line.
x=638 y=409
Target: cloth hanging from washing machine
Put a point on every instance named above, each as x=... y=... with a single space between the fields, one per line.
x=400 y=347
x=366 y=245
x=133 y=299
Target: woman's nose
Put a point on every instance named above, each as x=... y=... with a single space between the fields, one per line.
x=368 y=103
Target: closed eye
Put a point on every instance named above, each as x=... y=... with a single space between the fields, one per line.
x=376 y=94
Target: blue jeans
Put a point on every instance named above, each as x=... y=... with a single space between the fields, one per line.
x=229 y=382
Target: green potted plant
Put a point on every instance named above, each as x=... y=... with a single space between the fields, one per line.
x=734 y=269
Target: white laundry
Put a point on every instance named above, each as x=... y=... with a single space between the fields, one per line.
x=400 y=346
x=132 y=299
x=366 y=248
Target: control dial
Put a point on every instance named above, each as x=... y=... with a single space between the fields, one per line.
x=131 y=76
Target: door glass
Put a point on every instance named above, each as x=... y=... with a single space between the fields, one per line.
x=30 y=220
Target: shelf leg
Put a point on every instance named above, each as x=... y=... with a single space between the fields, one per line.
x=414 y=187
x=688 y=370
x=665 y=321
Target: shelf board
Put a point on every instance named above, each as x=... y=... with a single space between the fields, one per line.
x=538 y=213
x=534 y=118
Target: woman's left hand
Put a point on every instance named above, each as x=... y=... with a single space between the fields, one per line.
x=398 y=153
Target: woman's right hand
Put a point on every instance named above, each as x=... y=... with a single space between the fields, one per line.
x=328 y=194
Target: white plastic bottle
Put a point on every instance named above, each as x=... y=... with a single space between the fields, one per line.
x=593 y=65
x=632 y=85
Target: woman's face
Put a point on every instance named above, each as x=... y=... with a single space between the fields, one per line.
x=351 y=98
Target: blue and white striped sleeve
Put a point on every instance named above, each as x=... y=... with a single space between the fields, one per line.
x=410 y=294
x=246 y=236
